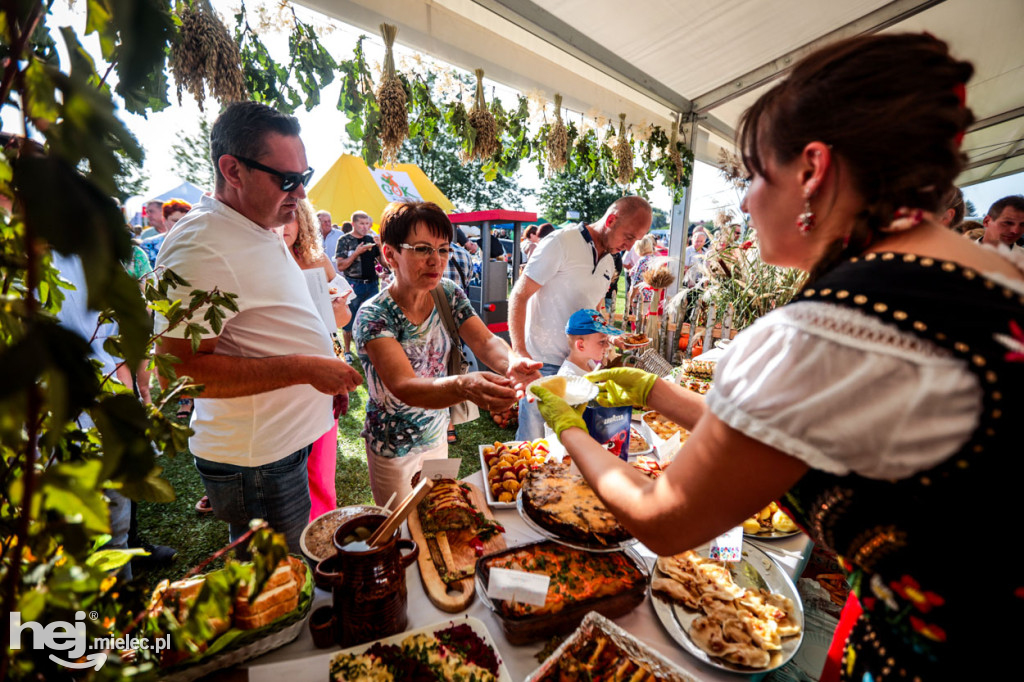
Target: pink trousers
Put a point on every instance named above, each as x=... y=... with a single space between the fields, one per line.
x=321 y=467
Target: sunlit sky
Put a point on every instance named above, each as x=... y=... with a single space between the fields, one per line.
x=323 y=127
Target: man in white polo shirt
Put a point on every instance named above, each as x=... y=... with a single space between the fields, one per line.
x=569 y=270
x=270 y=374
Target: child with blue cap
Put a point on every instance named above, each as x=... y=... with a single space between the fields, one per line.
x=589 y=341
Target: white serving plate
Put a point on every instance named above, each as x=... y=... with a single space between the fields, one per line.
x=578 y=390
x=475 y=624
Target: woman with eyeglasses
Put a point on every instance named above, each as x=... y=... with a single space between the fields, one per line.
x=404 y=345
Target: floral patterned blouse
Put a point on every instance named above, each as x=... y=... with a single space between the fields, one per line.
x=139 y=266
x=394 y=429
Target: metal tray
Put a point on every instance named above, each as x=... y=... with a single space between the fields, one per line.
x=535 y=628
x=593 y=624
x=756 y=570
x=576 y=544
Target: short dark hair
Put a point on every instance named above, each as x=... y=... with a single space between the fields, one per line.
x=1014 y=201
x=545 y=230
x=242 y=128
x=530 y=231
x=400 y=217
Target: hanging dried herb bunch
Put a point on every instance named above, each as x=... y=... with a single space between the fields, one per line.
x=482 y=120
x=673 y=152
x=558 y=141
x=391 y=98
x=624 y=154
x=205 y=54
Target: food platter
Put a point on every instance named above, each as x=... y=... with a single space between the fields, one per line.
x=447 y=554
x=318 y=534
x=618 y=645
x=578 y=390
x=474 y=624
x=644 y=445
x=771 y=534
x=756 y=571
x=493 y=501
x=576 y=544
x=634 y=341
x=768 y=525
x=661 y=427
x=562 y=612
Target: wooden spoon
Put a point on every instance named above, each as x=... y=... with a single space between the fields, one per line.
x=403 y=510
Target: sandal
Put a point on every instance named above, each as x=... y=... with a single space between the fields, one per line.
x=203 y=506
x=452 y=436
x=184 y=408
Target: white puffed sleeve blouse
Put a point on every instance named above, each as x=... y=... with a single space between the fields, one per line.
x=845 y=392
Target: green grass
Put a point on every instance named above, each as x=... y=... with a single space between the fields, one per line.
x=197 y=536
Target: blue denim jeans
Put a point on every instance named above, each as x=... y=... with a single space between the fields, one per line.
x=531 y=424
x=277 y=492
x=120 y=522
x=361 y=293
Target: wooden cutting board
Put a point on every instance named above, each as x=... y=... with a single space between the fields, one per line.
x=458 y=555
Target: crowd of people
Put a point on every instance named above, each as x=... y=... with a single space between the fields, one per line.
x=876 y=395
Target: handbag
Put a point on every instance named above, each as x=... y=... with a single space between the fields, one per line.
x=466 y=411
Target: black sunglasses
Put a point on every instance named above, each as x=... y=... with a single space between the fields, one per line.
x=289 y=181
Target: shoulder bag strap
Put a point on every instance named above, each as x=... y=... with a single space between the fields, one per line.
x=445 y=311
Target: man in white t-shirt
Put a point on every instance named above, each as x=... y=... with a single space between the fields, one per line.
x=569 y=270
x=270 y=374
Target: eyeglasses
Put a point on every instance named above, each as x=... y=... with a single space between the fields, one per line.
x=424 y=251
x=289 y=181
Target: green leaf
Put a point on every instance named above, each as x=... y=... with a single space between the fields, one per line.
x=40 y=90
x=71 y=489
x=31 y=604
x=123 y=424
x=152 y=488
x=98 y=20
x=144 y=29
x=53 y=350
x=113 y=559
x=82 y=63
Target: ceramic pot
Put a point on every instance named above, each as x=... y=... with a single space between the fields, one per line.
x=368 y=584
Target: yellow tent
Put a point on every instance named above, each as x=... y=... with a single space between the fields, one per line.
x=351 y=186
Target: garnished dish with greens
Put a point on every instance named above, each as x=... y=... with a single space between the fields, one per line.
x=454 y=653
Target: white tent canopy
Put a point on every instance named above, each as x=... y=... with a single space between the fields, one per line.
x=705 y=59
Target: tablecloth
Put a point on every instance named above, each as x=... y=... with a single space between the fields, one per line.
x=300 y=660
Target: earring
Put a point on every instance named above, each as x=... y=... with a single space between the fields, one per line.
x=805 y=221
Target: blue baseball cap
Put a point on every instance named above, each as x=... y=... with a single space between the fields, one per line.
x=588 y=321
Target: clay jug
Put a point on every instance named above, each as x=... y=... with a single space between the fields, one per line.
x=368 y=583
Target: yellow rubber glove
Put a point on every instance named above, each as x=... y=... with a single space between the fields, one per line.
x=623 y=386
x=559 y=414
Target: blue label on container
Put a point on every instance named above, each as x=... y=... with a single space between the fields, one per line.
x=609 y=426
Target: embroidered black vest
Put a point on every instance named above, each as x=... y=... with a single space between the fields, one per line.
x=934 y=607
